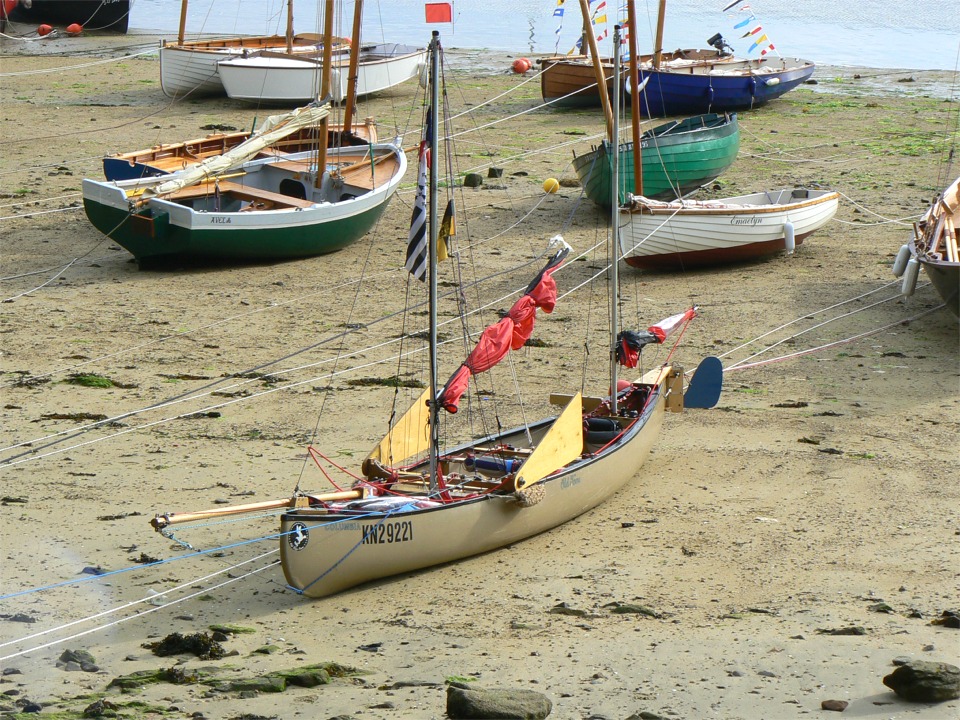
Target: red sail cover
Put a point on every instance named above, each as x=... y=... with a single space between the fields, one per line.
x=510 y=333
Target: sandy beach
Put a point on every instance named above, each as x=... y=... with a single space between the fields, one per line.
x=790 y=543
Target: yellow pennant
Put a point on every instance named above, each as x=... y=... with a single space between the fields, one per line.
x=448 y=228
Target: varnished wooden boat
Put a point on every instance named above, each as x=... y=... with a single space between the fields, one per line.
x=933 y=247
x=167 y=158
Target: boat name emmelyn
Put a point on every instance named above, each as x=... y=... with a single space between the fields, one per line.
x=746 y=221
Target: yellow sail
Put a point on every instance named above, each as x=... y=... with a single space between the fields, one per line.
x=409 y=435
x=562 y=444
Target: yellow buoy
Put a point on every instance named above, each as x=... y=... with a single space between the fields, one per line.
x=551 y=185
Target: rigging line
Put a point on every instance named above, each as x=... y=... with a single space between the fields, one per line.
x=40 y=200
x=77 y=67
x=66 y=435
x=124 y=606
x=844 y=341
x=191 y=596
x=808 y=315
x=38 y=213
x=811 y=328
x=185 y=333
x=49 y=280
x=134 y=568
x=876 y=214
x=96 y=245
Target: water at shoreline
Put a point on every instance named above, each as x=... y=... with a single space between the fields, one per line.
x=889 y=35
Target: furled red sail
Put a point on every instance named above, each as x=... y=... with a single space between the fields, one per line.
x=510 y=333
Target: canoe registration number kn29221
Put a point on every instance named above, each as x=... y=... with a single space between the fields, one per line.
x=388 y=532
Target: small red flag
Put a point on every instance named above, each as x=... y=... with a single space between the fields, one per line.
x=439 y=12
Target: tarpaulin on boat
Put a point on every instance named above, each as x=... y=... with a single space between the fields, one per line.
x=275 y=128
x=510 y=333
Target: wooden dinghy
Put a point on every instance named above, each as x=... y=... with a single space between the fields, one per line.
x=284 y=79
x=676 y=158
x=691 y=233
x=167 y=158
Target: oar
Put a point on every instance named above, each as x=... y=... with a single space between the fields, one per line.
x=162 y=521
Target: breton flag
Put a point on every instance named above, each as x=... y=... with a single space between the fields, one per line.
x=417 y=242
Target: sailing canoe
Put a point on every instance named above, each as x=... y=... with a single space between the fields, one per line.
x=327 y=548
x=690 y=233
x=281 y=78
x=676 y=157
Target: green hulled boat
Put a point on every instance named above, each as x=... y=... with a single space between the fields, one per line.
x=676 y=157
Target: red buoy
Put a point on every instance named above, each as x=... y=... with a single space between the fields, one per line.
x=521 y=65
x=44 y=30
x=74 y=29
x=8 y=6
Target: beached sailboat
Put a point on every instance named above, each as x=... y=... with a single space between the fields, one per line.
x=934 y=248
x=269 y=77
x=684 y=82
x=677 y=157
x=272 y=78
x=577 y=80
x=251 y=204
x=414 y=504
x=190 y=66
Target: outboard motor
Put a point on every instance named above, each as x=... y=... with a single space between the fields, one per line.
x=719 y=44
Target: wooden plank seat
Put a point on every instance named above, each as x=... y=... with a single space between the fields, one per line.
x=367 y=175
x=358 y=173
x=244 y=192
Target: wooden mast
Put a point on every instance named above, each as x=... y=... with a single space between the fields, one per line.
x=635 y=98
x=289 y=26
x=658 y=45
x=183 y=22
x=354 y=65
x=598 y=68
x=325 y=89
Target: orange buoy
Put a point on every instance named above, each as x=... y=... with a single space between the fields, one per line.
x=8 y=6
x=74 y=29
x=521 y=65
x=44 y=30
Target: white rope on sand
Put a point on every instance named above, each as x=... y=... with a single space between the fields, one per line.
x=61 y=68
x=139 y=614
